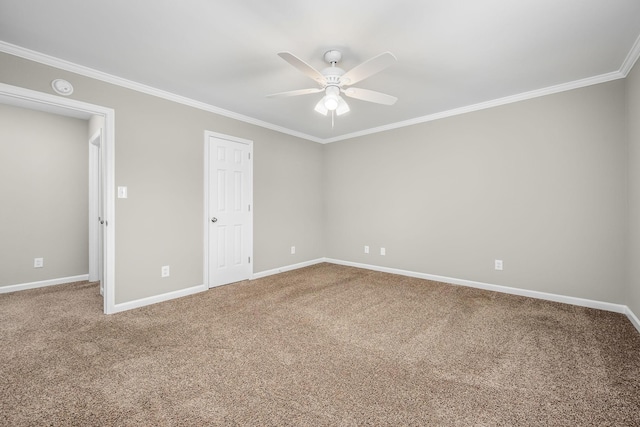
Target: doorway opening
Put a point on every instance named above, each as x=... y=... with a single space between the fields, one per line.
x=103 y=261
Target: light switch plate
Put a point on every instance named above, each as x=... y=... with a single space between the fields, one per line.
x=122 y=192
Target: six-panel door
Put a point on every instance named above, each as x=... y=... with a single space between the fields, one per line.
x=230 y=211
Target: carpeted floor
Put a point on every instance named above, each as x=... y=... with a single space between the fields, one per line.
x=325 y=345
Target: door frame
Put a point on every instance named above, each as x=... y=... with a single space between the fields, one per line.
x=95 y=159
x=31 y=99
x=207 y=235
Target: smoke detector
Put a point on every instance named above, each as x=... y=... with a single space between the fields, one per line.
x=62 y=87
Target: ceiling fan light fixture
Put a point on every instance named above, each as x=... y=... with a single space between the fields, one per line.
x=320 y=108
x=343 y=107
x=330 y=101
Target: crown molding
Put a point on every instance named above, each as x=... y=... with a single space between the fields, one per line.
x=631 y=59
x=41 y=58
x=603 y=78
x=129 y=84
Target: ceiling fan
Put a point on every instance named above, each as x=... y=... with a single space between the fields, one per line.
x=334 y=80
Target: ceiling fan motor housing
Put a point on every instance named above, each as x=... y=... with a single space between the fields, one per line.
x=332 y=75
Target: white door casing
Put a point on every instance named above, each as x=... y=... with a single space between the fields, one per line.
x=229 y=209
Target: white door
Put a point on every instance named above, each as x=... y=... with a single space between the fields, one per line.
x=96 y=210
x=230 y=217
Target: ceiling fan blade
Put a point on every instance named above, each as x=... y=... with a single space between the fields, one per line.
x=370 y=96
x=307 y=69
x=368 y=68
x=295 y=93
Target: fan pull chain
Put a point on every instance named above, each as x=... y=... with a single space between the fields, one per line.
x=332 y=118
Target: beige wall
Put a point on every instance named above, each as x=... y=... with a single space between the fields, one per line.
x=633 y=123
x=159 y=152
x=540 y=184
x=44 y=196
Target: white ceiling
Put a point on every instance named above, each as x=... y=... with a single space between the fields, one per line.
x=452 y=54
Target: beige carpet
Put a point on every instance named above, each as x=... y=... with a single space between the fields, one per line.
x=323 y=346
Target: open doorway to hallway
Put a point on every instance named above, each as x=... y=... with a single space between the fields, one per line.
x=46 y=215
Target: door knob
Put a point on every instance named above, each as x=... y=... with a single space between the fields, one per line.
x=214 y=219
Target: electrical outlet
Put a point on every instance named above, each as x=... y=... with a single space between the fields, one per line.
x=38 y=262
x=383 y=251
x=366 y=249
x=498 y=264
x=293 y=250
x=164 y=271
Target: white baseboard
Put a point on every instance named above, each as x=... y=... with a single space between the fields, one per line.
x=43 y=283
x=130 y=305
x=617 y=308
x=633 y=318
x=287 y=268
